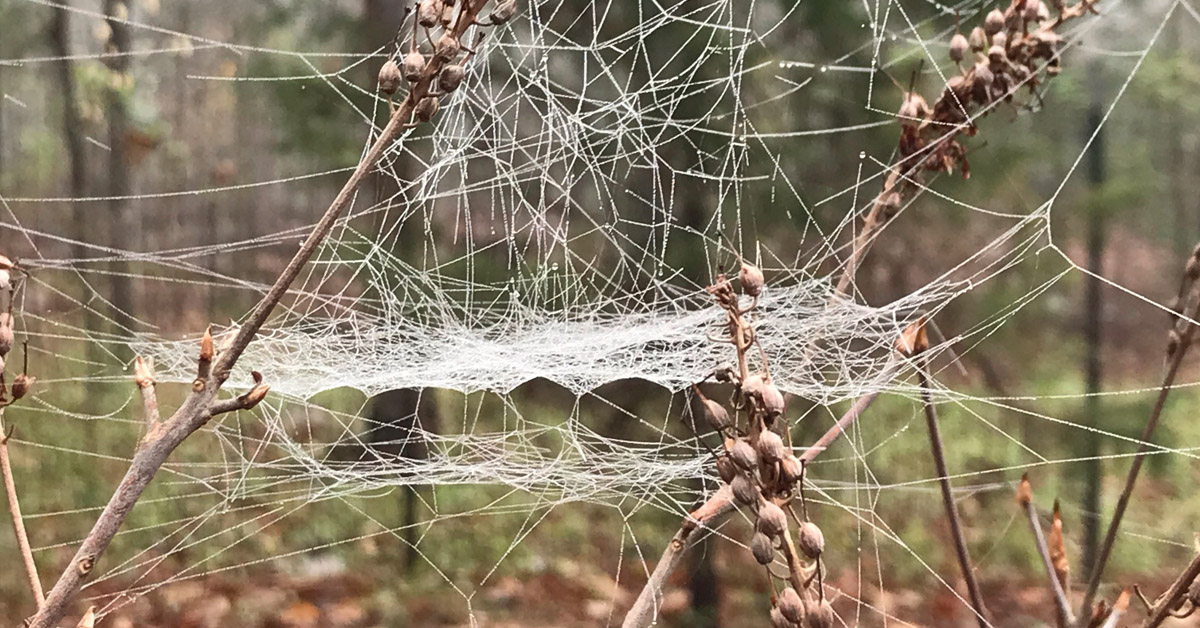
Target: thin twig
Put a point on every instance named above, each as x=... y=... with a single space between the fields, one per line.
x=939 y=460
x=1118 y=609
x=1169 y=600
x=1110 y=537
x=202 y=404
x=1025 y=498
x=18 y=523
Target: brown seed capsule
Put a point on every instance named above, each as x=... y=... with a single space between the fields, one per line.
x=413 y=66
x=820 y=616
x=389 y=77
x=450 y=78
x=791 y=469
x=771 y=520
x=978 y=39
x=958 y=47
x=1000 y=39
x=426 y=108
x=744 y=490
x=715 y=414
x=790 y=604
x=997 y=54
x=811 y=540
x=772 y=400
x=1033 y=9
x=20 y=385
x=447 y=47
x=994 y=22
x=778 y=620
x=771 y=447
x=983 y=74
x=503 y=12
x=743 y=455
x=760 y=546
x=751 y=278
x=429 y=13
x=913 y=111
x=753 y=385
x=726 y=469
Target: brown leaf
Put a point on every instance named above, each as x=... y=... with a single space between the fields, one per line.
x=1058 y=552
x=913 y=339
x=89 y=618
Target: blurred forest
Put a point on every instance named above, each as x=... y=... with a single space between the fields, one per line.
x=102 y=123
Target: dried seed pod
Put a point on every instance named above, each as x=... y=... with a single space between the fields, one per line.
x=6 y=334
x=753 y=385
x=760 y=546
x=771 y=520
x=772 y=400
x=771 y=447
x=778 y=620
x=715 y=414
x=389 y=77
x=914 y=109
x=426 y=108
x=1033 y=10
x=997 y=54
x=743 y=455
x=503 y=12
x=810 y=540
x=983 y=74
x=726 y=469
x=820 y=616
x=994 y=22
x=450 y=78
x=429 y=13
x=956 y=88
x=751 y=278
x=413 y=66
x=790 y=469
x=958 y=47
x=447 y=13
x=791 y=605
x=447 y=47
x=744 y=490
x=1000 y=39
x=1043 y=13
x=5 y=279
x=20 y=385
x=978 y=39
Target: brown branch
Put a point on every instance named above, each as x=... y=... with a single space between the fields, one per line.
x=18 y=523
x=1171 y=599
x=1179 y=340
x=1025 y=498
x=646 y=607
x=956 y=531
x=143 y=376
x=202 y=404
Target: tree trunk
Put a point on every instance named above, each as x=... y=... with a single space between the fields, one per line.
x=60 y=39
x=1093 y=337
x=122 y=224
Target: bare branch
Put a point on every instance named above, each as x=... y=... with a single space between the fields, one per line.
x=143 y=376
x=18 y=523
x=200 y=405
x=1179 y=340
x=646 y=607
x=939 y=460
x=1174 y=595
x=1025 y=498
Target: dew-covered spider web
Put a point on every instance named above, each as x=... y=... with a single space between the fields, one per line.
x=486 y=371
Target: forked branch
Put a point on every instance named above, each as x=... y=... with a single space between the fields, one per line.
x=214 y=368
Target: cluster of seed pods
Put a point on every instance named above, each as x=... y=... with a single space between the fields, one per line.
x=763 y=474
x=444 y=52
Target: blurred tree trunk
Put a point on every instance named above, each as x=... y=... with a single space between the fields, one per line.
x=1093 y=337
x=60 y=39
x=122 y=225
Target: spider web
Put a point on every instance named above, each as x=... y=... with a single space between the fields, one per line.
x=514 y=262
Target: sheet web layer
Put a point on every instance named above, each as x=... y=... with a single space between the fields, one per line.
x=514 y=265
